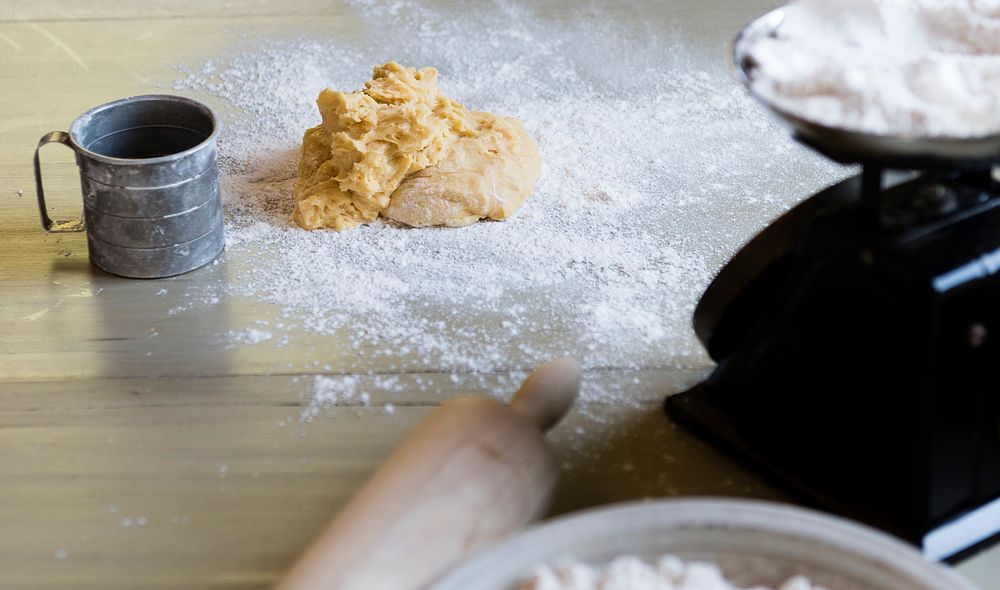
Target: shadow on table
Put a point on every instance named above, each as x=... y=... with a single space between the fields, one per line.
x=640 y=453
x=171 y=327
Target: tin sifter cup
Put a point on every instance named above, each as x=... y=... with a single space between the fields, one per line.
x=150 y=181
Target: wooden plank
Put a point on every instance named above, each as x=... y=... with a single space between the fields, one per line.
x=54 y=10
x=290 y=388
x=230 y=485
x=264 y=10
x=177 y=499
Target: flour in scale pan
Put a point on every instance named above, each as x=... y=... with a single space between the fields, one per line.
x=914 y=68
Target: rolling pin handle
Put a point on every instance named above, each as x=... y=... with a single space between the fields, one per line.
x=547 y=394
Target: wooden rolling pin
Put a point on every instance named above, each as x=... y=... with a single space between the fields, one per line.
x=471 y=473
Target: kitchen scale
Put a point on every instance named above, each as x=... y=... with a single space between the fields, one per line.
x=858 y=336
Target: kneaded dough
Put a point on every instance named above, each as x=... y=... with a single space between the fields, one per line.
x=488 y=175
x=402 y=149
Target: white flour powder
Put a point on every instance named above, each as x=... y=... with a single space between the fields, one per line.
x=656 y=167
x=331 y=391
x=631 y=573
x=920 y=67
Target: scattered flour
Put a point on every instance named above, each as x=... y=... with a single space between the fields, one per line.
x=332 y=391
x=656 y=169
x=631 y=573
x=922 y=67
x=128 y=521
x=248 y=336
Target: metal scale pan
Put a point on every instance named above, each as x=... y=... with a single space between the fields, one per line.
x=900 y=152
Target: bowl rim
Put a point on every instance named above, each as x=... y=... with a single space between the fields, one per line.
x=712 y=513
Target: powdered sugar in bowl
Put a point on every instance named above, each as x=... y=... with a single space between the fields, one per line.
x=754 y=543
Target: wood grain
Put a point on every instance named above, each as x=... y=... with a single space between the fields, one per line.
x=138 y=449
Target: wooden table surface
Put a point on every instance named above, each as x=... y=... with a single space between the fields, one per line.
x=136 y=451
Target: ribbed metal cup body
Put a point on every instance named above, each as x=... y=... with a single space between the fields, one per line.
x=150 y=185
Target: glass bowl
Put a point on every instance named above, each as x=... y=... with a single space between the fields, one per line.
x=754 y=543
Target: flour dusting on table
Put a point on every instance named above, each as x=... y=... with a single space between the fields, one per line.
x=656 y=167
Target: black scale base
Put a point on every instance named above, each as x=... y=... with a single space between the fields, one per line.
x=858 y=348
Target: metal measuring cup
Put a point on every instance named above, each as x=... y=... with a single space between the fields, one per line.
x=150 y=181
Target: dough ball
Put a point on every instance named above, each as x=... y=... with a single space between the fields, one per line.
x=369 y=141
x=402 y=149
x=487 y=175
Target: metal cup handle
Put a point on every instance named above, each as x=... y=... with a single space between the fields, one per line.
x=55 y=227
